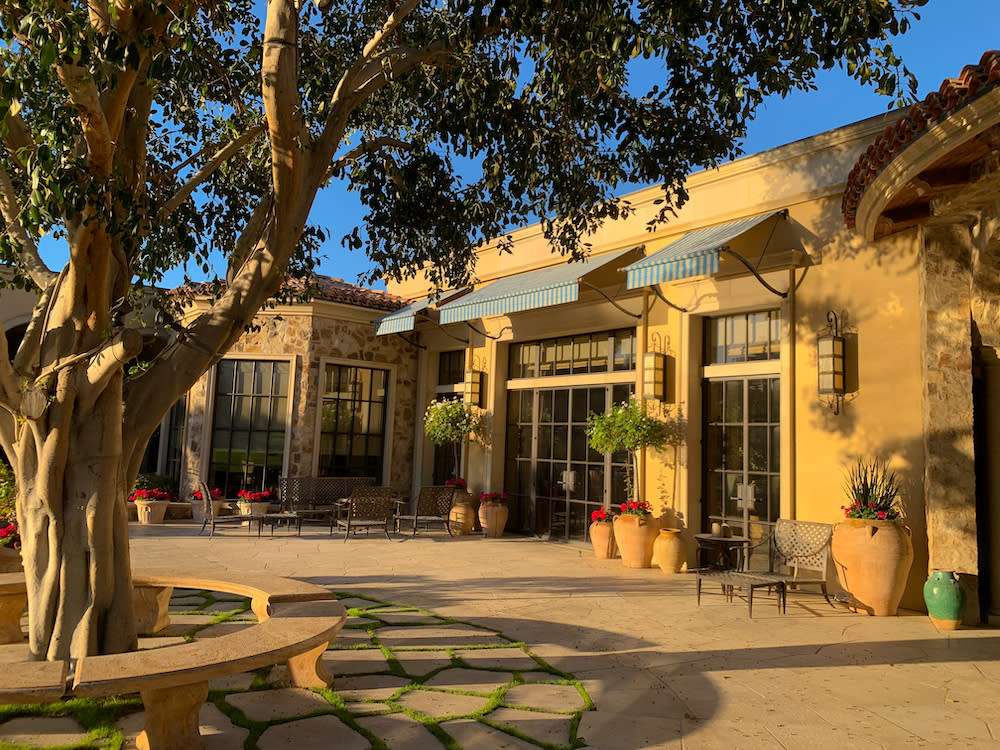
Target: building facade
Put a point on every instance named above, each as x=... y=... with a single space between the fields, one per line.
x=727 y=315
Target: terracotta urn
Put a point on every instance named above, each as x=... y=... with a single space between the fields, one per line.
x=873 y=559
x=462 y=516
x=151 y=511
x=493 y=517
x=945 y=599
x=635 y=536
x=669 y=551
x=602 y=537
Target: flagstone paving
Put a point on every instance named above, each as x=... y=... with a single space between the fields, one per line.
x=402 y=677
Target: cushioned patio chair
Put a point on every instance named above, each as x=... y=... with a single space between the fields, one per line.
x=432 y=508
x=366 y=508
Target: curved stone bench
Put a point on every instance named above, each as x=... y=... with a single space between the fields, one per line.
x=297 y=622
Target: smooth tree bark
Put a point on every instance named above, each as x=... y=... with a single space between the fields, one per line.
x=146 y=134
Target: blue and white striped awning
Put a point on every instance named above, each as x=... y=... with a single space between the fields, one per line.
x=694 y=254
x=401 y=320
x=555 y=285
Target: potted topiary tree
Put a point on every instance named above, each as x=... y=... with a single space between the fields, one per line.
x=450 y=423
x=628 y=427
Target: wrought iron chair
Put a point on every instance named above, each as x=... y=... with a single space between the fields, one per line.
x=210 y=517
x=366 y=508
x=432 y=507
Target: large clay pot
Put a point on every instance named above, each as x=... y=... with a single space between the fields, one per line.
x=669 y=551
x=872 y=559
x=462 y=516
x=945 y=599
x=253 y=509
x=10 y=560
x=493 y=517
x=602 y=537
x=151 y=511
x=635 y=536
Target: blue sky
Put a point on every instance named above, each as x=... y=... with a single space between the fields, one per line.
x=950 y=35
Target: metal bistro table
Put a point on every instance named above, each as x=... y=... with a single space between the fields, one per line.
x=721 y=552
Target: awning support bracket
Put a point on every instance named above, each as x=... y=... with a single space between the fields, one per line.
x=659 y=294
x=751 y=269
x=587 y=284
x=411 y=343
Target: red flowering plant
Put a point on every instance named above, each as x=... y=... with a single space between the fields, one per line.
x=492 y=497
x=873 y=492
x=149 y=494
x=246 y=496
x=636 y=508
x=458 y=483
x=601 y=515
x=9 y=536
x=216 y=494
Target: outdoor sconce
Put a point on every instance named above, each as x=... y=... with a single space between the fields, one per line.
x=830 y=363
x=472 y=387
x=654 y=376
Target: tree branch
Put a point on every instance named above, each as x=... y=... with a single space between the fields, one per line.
x=86 y=98
x=28 y=253
x=252 y=234
x=366 y=148
x=107 y=362
x=391 y=24
x=217 y=160
x=18 y=137
x=279 y=75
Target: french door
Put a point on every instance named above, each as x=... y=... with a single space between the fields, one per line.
x=554 y=478
x=742 y=451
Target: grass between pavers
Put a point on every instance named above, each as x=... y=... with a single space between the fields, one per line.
x=98 y=716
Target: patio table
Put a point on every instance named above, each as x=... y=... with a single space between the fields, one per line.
x=732 y=579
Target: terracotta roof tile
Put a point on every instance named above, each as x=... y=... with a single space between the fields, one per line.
x=973 y=81
x=328 y=289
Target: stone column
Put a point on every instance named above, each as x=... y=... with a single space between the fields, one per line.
x=949 y=486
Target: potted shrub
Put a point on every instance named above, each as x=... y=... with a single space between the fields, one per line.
x=493 y=513
x=602 y=535
x=198 y=506
x=150 y=504
x=10 y=538
x=871 y=547
x=627 y=427
x=450 y=423
x=252 y=503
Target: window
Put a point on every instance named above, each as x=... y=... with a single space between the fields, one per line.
x=747 y=337
x=451 y=367
x=248 y=426
x=353 y=418
x=573 y=355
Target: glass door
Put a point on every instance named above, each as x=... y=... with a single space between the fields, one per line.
x=554 y=478
x=742 y=452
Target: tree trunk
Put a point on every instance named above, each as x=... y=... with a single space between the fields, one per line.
x=74 y=524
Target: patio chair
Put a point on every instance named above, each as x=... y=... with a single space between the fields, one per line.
x=804 y=546
x=210 y=516
x=366 y=508
x=432 y=507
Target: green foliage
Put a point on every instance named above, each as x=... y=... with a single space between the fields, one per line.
x=8 y=494
x=520 y=109
x=872 y=492
x=627 y=427
x=448 y=422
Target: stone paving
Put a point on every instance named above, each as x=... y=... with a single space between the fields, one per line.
x=517 y=643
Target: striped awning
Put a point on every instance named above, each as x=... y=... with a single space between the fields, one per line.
x=555 y=285
x=402 y=320
x=694 y=254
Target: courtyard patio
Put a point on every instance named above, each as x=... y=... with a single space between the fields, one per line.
x=516 y=643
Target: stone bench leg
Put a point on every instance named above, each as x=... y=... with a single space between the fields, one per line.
x=11 y=608
x=172 y=717
x=307 y=670
x=150 y=606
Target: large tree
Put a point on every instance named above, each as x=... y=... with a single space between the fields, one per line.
x=145 y=134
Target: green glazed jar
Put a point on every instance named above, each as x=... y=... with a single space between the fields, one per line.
x=945 y=599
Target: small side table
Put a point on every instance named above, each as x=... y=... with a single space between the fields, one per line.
x=721 y=552
x=732 y=579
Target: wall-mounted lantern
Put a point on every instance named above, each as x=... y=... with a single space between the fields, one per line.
x=830 y=363
x=654 y=376
x=472 y=387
